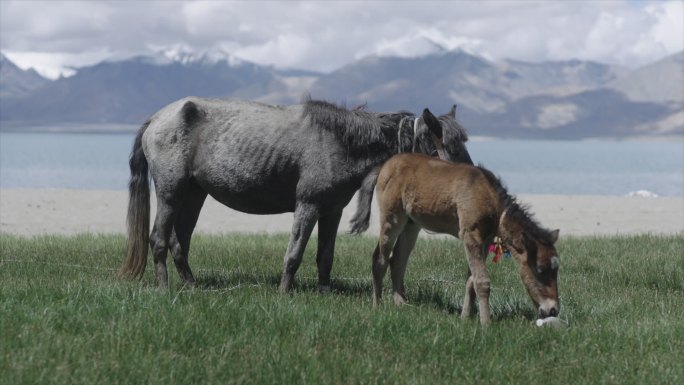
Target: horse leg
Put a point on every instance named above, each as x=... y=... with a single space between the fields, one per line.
x=327 y=233
x=476 y=251
x=392 y=226
x=186 y=219
x=469 y=299
x=159 y=239
x=305 y=217
x=400 y=254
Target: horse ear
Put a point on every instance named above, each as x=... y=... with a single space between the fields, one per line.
x=452 y=113
x=554 y=235
x=432 y=123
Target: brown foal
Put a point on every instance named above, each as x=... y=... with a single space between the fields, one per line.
x=415 y=191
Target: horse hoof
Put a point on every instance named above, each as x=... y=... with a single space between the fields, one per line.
x=284 y=287
x=285 y=283
x=324 y=289
x=399 y=300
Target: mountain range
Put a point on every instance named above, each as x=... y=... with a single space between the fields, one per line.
x=510 y=99
x=15 y=82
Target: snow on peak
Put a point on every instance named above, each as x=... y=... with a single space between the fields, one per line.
x=409 y=46
x=184 y=54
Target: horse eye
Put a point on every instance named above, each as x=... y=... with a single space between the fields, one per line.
x=554 y=262
x=543 y=269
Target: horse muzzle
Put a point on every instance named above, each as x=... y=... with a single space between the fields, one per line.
x=549 y=308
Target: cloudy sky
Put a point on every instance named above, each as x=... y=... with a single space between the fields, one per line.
x=51 y=36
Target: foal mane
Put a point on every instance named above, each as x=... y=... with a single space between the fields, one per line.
x=515 y=210
x=356 y=128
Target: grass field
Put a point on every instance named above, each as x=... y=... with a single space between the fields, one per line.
x=65 y=319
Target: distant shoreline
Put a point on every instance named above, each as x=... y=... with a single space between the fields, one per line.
x=30 y=212
x=124 y=128
x=70 y=128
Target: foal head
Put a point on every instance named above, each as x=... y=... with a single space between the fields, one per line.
x=537 y=257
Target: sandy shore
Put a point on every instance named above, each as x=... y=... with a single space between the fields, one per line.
x=48 y=211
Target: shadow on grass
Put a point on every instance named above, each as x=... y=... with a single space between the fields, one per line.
x=223 y=281
x=454 y=306
x=520 y=310
x=430 y=296
x=427 y=295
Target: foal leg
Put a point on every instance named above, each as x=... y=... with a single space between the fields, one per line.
x=185 y=222
x=476 y=252
x=305 y=217
x=392 y=226
x=327 y=233
x=399 y=259
x=469 y=299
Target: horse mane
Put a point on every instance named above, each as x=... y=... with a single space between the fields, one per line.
x=515 y=210
x=453 y=131
x=356 y=128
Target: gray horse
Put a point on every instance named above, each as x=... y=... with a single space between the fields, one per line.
x=261 y=159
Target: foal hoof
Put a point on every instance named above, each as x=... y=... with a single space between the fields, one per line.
x=467 y=313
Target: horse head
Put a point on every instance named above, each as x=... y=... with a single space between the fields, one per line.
x=444 y=135
x=533 y=248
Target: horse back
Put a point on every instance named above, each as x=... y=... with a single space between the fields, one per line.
x=252 y=157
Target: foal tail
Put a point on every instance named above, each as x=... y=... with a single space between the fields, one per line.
x=359 y=222
x=138 y=218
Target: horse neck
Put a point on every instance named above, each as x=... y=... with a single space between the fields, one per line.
x=362 y=164
x=373 y=154
x=357 y=131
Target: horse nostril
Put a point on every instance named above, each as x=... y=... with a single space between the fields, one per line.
x=553 y=312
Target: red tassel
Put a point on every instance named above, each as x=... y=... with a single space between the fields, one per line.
x=498 y=253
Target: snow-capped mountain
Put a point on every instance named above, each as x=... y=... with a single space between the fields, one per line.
x=15 y=82
x=562 y=99
x=185 y=55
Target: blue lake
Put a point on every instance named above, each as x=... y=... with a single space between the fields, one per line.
x=100 y=161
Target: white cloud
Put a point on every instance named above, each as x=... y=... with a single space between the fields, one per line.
x=422 y=42
x=284 y=51
x=668 y=30
x=326 y=35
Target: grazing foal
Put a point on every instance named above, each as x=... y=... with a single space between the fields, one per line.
x=415 y=191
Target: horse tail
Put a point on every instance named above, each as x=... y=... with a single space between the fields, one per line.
x=138 y=218
x=360 y=220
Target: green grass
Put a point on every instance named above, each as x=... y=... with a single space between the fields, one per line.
x=64 y=318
